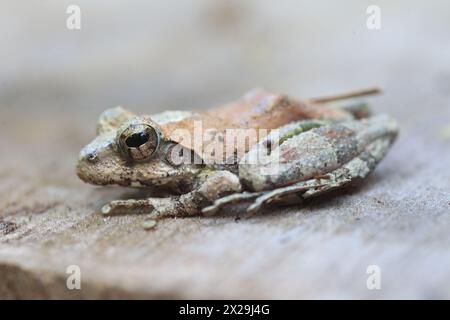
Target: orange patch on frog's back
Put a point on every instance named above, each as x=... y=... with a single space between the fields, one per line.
x=257 y=109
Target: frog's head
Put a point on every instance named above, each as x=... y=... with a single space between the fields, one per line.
x=130 y=150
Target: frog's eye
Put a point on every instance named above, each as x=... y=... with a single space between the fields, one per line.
x=139 y=141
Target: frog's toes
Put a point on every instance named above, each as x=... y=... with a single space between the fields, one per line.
x=231 y=199
x=149 y=224
x=106 y=209
x=126 y=206
x=276 y=195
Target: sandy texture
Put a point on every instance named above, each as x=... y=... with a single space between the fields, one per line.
x=55 y=82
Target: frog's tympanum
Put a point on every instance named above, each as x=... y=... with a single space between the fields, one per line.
x=264 y=148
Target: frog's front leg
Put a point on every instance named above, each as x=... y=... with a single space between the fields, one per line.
x=140 y=205
x=212 y=185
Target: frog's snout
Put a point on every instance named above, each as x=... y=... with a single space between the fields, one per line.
x=97 y=163
x=84 y=168
x=94 y=165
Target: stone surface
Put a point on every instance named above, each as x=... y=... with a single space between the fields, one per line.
x=151 y=57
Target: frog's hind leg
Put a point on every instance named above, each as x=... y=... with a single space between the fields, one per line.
x=357 y=168
x=297 y=192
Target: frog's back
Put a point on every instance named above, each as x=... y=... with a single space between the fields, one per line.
x=256 y=110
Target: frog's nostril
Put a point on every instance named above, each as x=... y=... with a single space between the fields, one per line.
x=91 y=157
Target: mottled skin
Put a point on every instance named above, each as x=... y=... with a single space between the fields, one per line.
x=310 y=157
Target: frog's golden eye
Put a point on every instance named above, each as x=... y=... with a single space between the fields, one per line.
x=139 y=141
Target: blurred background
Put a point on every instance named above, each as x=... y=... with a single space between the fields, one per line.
x=192 y=54
x=154 y=55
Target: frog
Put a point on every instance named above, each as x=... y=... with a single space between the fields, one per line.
x=310 y=147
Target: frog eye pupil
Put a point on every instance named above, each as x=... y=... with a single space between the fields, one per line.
x=137 y=139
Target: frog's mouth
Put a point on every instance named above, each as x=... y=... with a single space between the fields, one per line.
x=101 y=174
x=96 y=178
